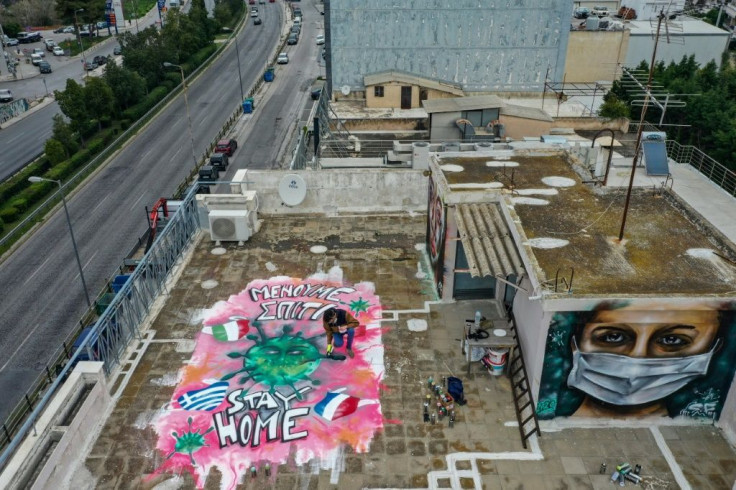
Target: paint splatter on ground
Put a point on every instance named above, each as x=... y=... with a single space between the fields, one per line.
x=451 y=168
x=318 y=249
x=556 y=181
x=529 y=200
x=507 y=163
x=547 y=242
x=536 y=192
x=209 y=284
x=218 y=251
x=416 y=325
x=486 y=185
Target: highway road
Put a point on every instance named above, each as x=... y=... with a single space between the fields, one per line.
x=42 y=294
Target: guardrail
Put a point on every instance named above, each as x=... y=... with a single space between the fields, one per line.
x=715 y=171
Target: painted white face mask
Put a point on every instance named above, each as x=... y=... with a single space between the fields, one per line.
x=624 y=380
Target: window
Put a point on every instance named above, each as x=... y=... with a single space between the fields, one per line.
x=480 y=118
x=378 y=91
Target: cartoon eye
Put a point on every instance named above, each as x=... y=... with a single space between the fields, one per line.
x=612 y=337
x=673 y=340
x=295 y=352
x=271 y=352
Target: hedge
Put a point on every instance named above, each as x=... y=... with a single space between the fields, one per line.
x=9 y=214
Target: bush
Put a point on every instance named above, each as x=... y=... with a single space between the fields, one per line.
x=2 y=226
x=55 y=151
x=125 y=124
x=96 y=145
x=38 y=191
x=9 y=214
x=20 y=204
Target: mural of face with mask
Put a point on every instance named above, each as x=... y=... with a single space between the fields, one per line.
x=627 y=360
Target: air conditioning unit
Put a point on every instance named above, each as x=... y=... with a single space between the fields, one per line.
x=230 y=225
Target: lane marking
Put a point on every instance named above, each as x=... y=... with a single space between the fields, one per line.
x=37 y=270
x=85 y=265
x=137 y=201
x=17 y=349
x=99 y=203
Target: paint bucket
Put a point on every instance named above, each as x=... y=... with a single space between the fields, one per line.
x=497 y=358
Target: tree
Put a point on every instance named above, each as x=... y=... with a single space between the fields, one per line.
x=127 y=86
x=613 y=107
x=55 y=151
x=93 y=10
x=99 y=99
x=63 y=133
x=145 y=54
x=74 y=106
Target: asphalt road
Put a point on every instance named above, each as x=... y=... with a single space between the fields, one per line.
x=42 y=295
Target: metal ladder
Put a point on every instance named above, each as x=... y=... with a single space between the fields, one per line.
x=526 y=413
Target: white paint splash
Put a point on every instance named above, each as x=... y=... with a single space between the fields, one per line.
x=185 y=346
x=318 y=249
x=556 y=181
x=174 y=483
x=420 y=273
x=701 y=253
x=218 y=251
x=529 y=200
x=420 y=247
x=547 y=242
x=209 y=284
x=335 y=274
x=725 y=271
x=168 y=379
x=451 y=168
x=470 y=185
x=146 y=418
x=536 y=192
x=416 y=325
x=271 y=266
x=505 y=163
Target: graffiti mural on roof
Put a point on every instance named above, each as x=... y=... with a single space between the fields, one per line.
x=259 y=389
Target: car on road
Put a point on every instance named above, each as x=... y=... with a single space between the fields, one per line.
x=86 y=33
x=28 y=37
x=282 y=59
x=100 y=60
x=36 y=59
x=64 y=30
x=58 y=51
x=257 y=21
x=226 y=146
x=90 y=65
x=581 y=13
x=320 y=39
x=599 y=11
x=50 y=43
x=39 y=52
x=6 y=95
x=44 y=67
x=11 y=41
x=219 y=160
x=295 y=29
x=293 y=38
x=254 y=13
x=117 y=50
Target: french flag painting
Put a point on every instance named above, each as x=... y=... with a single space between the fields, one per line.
x=337 y=405
x=208 y=398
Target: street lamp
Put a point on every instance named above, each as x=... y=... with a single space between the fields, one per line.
x=71 y=231
x=135 y=10
x=79 y=40
x=186 y=101
x=237 y=53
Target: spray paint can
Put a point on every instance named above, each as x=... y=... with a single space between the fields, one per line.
x=253 y=471
x=635 y=479
x=603 y=468
x=432 y=418
x=477 y=319
x=615 y=476
x=439 y=411
x=430 y=382
x=267 y=469
x=637 y=469
x=444 y=381
x=452 y=419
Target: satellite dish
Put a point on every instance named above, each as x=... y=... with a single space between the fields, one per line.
x=345 y=89
x=292 y=189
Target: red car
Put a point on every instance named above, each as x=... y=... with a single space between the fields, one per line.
x=226 y=146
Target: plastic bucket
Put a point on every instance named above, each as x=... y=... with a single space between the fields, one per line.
x=497 y=358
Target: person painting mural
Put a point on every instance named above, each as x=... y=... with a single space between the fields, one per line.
x=339 y=323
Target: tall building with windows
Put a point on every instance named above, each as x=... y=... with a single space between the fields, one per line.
x=474 y=46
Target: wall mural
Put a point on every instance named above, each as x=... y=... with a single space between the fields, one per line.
x=260 y=390
x=623 y=360
x=436 y=233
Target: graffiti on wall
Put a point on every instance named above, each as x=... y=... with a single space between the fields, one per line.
x=436 y=233
x=13 y=109
x=259 y=390
x=617 y=359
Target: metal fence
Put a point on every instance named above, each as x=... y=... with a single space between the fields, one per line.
x=707 y=166
x=120 y=322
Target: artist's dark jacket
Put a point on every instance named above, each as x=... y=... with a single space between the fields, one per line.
x=344 y=318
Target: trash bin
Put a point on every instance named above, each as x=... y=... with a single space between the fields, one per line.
x=247 y=106
x=268 y=74
x=497 y=358
x=104 y=301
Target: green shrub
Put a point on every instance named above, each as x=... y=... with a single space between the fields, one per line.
x=96 y=145
x=125 y=124
x=2 y=226
x=38 y=191
x=20 y=204
x=173 y=77
x=9 y=214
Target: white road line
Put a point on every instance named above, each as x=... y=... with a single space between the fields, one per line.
x=670 y=458
x=17 y=349
x=146 y=154
x=85 y=265
x=138 y=200
x=100 y=203
x=175 y=154
x=36 y=272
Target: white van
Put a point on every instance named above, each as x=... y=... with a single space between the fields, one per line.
x=36 y=58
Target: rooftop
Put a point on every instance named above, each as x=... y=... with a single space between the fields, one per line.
x=566 y=224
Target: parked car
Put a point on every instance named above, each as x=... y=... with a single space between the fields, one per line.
x=297 y=12
x=324 y=53
x=254 y=9
x=28 y=37
x=90 y=65
x=320 y=39
x=10 y=41
x=50 y=43
x=86 y=33
x=39 y=52
x=600 y=11
x=44 y=67
x=226 y=146
x=219 y=160
x=58 y=51
x=69 y=30
x=295 y=29
x=209 y=173
x=64 y=30
x=6 y=95
x=282 y=59
x=36 y=59
x=100 y=60
x=581 y=13
x=102 y=25
x=117 y=50
x=254 y=13
x=257 y=21
x=293 y=38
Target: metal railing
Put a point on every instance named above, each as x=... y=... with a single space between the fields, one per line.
x=121 y=320
x=715 y=171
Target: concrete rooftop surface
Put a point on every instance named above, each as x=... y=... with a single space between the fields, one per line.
x=374 y=437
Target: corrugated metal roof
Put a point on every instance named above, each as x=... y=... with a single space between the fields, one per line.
x=489 y=246
x=462 y=104
x=525 y=112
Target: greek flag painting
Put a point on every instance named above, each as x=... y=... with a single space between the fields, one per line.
x=208 y=398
